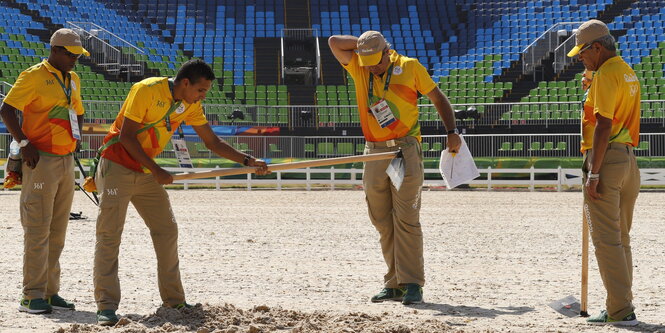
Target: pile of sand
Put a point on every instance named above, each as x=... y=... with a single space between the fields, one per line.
x=230 y=319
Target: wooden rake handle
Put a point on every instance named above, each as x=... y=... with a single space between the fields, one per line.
x=287 y=166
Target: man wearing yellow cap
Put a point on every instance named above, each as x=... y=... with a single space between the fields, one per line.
x=49 y=96
x=610 y=130
x=387 y=86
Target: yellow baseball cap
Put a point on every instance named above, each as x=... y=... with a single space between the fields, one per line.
x=587 y=33
x=371 y=45
x=70 y=40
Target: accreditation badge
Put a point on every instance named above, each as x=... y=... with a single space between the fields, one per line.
x=382 y=112
x=74 y=122
x=181 y=153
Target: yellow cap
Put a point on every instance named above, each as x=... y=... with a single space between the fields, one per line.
x=70 y=40
x=587 y=33
x=371 y=45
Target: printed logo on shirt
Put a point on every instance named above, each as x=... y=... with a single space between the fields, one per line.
x=180 y=109
x=397 y=70
x=112 y=191
x=633 y=90
x=73 y=85
x=38 y=186
x=161 y=104
x=49 y=82
x=630 y=78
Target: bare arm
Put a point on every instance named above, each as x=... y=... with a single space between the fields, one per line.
x=223 y=149
x=342 y=47
x=29 y=153
x=601 y=138
x=445 y=110
x=131 y=144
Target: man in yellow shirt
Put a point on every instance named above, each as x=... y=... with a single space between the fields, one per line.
x=49 y=96
x=387 y=86
x=610 y=131
x=153 y=110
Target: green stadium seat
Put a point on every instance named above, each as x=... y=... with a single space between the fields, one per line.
x=325 y=149
x=345 y=148
x=535 y=145
x=548 y=146
x=561 y=146
x=643 y=146
x=518 y=146
x=272 y=148
x=505 y=146
x=309 y=148
x=436 y=147
x=360 y=148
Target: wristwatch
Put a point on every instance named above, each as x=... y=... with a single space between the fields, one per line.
x=23 y=143
x=455 y=131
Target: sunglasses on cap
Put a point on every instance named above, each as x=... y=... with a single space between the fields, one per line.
x=69 y=54
x=586 y=47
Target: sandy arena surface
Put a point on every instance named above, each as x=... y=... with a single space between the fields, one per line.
x=295 y=261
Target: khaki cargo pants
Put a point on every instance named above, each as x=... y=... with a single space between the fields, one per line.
x=610 y=219
x=118 y=186
x=396 y=214
x=46 y=200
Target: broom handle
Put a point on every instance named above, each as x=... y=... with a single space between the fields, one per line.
x=287 y=166
x=585 y=265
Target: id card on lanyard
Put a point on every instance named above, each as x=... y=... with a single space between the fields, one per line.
x=381 y=110
x=180 y=148
x=73 y=117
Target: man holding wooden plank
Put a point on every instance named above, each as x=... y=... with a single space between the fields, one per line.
x=387 y=86
x=153 y=110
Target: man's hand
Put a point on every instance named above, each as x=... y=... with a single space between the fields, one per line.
x=261 y=166
x=30 y=155
x=454 y=142
x=591 y=187
x=162 y=176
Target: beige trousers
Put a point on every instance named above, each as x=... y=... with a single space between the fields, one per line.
x=610 y=219
x=118 y=186
x=396 y=214
x=46 y=199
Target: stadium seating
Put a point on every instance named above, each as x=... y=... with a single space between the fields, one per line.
x=467 y=45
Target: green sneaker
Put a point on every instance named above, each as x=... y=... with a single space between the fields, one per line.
x=604 y=319
x=106 y=317
x=34 y=306
x=60 y=303
x=183 y=305
x=414 y=294
x=388 y=294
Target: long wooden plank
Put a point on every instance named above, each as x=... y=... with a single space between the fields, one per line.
x=287 y=166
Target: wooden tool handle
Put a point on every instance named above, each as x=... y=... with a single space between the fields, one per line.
x=585 y=265
x=287 y=166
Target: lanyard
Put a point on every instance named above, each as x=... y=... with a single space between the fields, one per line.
x=66 y=90
x=167 y=118
x=385 y=87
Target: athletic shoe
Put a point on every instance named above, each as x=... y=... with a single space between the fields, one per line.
x=604 y=319
x=106 y=317
x=183 y=305
x=414 y=294
x=388 y=294
x=60 y=303
x=37 y=305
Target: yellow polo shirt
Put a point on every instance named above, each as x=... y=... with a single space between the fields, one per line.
x=42 y=100
x=148 y=102
x=409 y=77
x=614 y=94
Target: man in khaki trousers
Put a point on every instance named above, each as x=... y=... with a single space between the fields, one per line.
x=49 y=96
x=153 y=110
x=610 y=131
x=387 y=86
